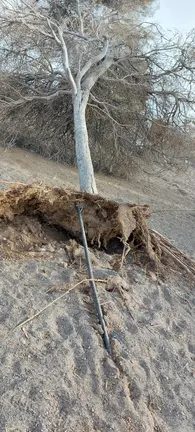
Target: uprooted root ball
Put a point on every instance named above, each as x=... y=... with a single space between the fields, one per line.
x=103 y=219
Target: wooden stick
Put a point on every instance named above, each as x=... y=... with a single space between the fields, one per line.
x=172 y=210
x=21 y=324
x=185 y=267
x=15 y=182
x=169 y=245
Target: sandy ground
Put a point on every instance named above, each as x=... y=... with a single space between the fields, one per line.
x=55 y=372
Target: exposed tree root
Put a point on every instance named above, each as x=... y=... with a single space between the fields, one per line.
x=104 y=220
x=172 y=255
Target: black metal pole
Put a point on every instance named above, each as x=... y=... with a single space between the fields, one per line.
x=92 y=282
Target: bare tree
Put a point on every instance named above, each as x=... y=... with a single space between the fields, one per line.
x=93 y=54
x=76 y=45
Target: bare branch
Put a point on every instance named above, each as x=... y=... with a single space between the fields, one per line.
x=25 y=99
x=53 y=32
x=81 y=36
x=90 y=80
x=66 y=62
x=80 y=17
x=94 y=60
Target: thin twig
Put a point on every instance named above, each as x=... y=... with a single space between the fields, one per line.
x=177 y=255
x=21 y=324
x=80 y=17
x=16 y=183
x=178 y=260
x=170 y=210
x=169 y=244
x=126 y=250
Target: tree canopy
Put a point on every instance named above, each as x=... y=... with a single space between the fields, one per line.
x=136 y=76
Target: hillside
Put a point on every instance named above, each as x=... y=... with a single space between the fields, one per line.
x=56 y=373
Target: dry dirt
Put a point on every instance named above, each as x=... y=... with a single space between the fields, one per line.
x=55 y=372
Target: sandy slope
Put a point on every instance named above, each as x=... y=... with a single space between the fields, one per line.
x=55 y=372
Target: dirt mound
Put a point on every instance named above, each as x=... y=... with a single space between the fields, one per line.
x=28 y=237
x=104 y=221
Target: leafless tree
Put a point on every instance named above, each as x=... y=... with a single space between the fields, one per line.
x=70 y=47
x=94 y=55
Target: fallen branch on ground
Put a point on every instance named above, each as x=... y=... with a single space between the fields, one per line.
x=176 y=254
x=21 y=324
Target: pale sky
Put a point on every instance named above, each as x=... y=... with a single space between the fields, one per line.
x=178 y=14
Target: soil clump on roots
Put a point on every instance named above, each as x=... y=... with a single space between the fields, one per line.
x=33 y=216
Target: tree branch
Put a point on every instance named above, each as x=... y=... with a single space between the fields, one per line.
x=25 y=99
x=66 y=62
x=80 y=17
x=89 y=82
x=53 y=32
x=108 y=115
x=94 y=60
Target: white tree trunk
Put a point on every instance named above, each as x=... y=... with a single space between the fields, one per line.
x=83 y=156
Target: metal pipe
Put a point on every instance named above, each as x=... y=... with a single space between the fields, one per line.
x=92 y=282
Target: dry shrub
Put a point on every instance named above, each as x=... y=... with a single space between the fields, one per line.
x=169 y=146
x=48 y=129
